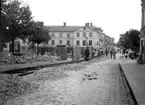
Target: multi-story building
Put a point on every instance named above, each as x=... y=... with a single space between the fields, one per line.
x=71 y=36
x=142 y=35
x=80 y=36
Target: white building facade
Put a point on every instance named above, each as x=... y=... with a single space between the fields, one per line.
x=80 y=36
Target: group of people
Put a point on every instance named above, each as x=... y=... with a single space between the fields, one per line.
x=113 y=54
x=125 y=53
x=129 y=54
x=87 y=53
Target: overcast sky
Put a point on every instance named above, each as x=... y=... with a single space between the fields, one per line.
x=113 y=16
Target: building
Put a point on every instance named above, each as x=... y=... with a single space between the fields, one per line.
x=142 y=35
x=20 y=45
x=80 y=36
x=70 y=36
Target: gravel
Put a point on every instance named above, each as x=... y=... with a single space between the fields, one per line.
x=12 y=86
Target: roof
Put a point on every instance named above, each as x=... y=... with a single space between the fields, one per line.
x=72 y=29
x=63 y=28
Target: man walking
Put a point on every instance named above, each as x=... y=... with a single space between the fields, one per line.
x=114 y=54
x=106 y=52
x=111 y=52
x=87 y=53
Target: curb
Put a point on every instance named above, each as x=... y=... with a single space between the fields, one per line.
x=131 y=91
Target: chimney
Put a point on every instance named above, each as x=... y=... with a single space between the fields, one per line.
x=64 y=24
x=87 y=24
x=91 y=24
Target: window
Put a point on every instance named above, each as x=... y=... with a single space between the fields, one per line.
x=78 y=34
x=53 y=42
x=60 y=35
x=90 y=42
x=68 y=35
x=68 y=42
x=52 y=34
x=77 y=42
x=84 y=34
x=60 y=41
x=90 y=34
x=84 y=42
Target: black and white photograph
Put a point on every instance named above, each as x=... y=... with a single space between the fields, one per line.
x=72 y=52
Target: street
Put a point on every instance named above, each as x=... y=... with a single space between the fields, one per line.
x=99 y=83
x=67 y=52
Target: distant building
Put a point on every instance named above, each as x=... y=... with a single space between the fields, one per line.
x=142 y=35
x=81 y=36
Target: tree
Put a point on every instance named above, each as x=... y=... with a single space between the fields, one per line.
x=130 y=40
x=18 y=20
x=39 y=35
x=3 y=23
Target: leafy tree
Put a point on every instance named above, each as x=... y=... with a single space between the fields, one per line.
x=39 y=34
x=130 y=40
x=18 y=20
x=3 y=23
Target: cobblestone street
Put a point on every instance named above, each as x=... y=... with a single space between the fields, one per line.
x=98 y=84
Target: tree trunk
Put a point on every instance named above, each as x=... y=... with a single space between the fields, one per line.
x=13 y=45
x=37 y=49
x=1 y=48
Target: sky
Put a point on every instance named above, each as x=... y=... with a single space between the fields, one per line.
x=113 y=16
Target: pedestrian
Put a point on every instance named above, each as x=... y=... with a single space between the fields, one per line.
x=135 y=55
x=114 y=54
x=126 y=56
x=111 y=52
x=123 y=52
x=93 y=52
x=87 y=53
x=106 y=52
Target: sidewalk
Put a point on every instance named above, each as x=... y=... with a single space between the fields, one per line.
x=135 y=75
